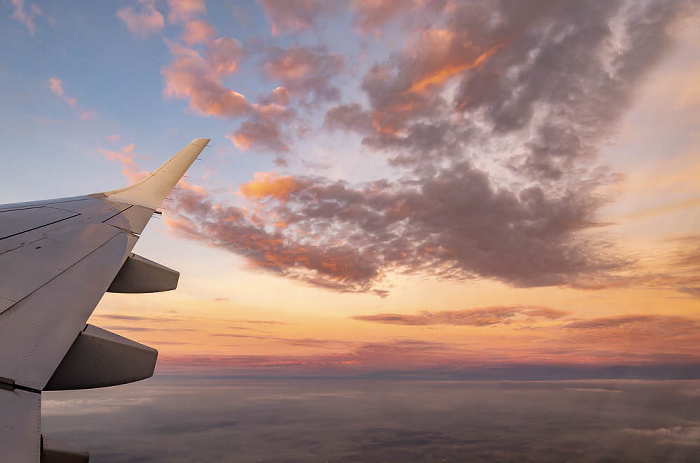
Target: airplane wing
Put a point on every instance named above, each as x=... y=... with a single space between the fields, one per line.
x=57 y=259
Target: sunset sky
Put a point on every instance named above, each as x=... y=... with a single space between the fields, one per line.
x=419 y=187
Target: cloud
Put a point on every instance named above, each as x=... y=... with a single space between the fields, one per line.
x=452 y=226
x=198 y=31
x=196 y=217
x=197 y=78
x=296 y=15
x=182 y=11
x=521 y=82
x=486 y=316
x=350 y=117
x=24 y=16
x=491 y=128
x=371 y=15
x=136 y=318
x=270 y=185
x=56 y=86
x=127 y=158
x=304 y=71
x=265 y=134
x=679 y=271
x=144 y=23
x=223 y=55
x=647 y=330
x=677 y=435
x=177 y=419
x=191 y=77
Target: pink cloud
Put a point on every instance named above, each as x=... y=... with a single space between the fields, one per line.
x=89 y=114
x=198 y=31
x=144 y=23
x=223 y=55
x=191 y=77
x=24 y=16
x=185 y=10
x=295 y=15
x=56 y=86
x=127 y=158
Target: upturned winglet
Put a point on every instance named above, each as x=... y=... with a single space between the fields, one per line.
x=151 y=191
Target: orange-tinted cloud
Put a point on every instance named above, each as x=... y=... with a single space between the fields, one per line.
x=270 y=185
x=198 y=31
x=26 y=16
x=450 y=69
x=143 y=23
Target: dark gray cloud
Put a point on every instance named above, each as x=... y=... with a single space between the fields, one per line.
x=306 y=72
x=349 y=117
x=264 y=134
x=555 y=74
x=455 y=225
x=492 y=122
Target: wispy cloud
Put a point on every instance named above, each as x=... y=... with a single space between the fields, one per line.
x=127 y=158
x=26 y=15
x=56 y=86
x=486 y=316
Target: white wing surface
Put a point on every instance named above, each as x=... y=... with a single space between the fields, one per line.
x=57 y=259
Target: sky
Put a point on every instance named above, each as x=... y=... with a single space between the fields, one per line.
x=420 y=188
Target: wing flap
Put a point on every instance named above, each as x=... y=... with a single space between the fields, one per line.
x=20 y=426
x=140 y=275
x=40 y=328
x=45 y=254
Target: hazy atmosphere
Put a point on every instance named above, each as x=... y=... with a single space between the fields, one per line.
x=220 y=420
x=405 y=204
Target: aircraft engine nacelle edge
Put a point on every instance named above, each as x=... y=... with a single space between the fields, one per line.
x=100 y=358
x=140 y=275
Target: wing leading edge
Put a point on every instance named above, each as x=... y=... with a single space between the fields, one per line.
x=57 y=259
